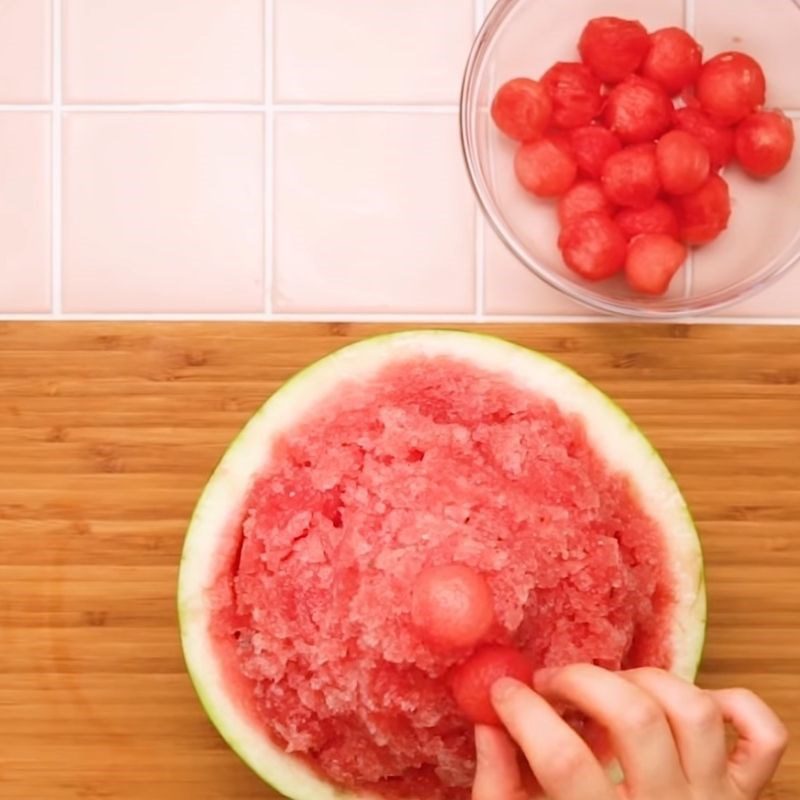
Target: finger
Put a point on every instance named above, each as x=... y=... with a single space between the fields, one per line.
x=636 y=723
x=559 y=758
x=596 y=736
x=762 y=738
x=696 y=722
x=533 y=789
x=497 y=775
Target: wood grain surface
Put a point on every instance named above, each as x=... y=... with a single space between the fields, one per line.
x=109 y=431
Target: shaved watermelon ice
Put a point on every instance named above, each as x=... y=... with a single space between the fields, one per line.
x=431 y=463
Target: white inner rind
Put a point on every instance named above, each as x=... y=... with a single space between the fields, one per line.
x=609 y=430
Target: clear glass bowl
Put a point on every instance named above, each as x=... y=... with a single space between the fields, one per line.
x=523 y=38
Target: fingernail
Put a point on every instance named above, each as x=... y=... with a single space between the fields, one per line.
x=504 y=688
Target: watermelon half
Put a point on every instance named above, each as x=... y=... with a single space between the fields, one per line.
x=399 y=453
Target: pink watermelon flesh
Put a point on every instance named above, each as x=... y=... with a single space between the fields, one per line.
x=433 y=462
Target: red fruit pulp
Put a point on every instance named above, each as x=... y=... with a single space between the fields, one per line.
x=584 y=197
x=653 y=259
x=472 y=681
x=717 y=138
x=593 y=246
x=764 y=142
x=430 y=461
x=576 y=94
x=638 y=110
x=630 y=177
x=452 y=606
x=659 y=217
x=613 y=48
x=730 y=86
x=522 y=109
x=674 y=60
x=545 y=167
x=591 y=146
x=683 y=162
x=704 y=214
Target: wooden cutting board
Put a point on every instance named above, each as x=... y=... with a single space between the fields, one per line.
x=109 y=431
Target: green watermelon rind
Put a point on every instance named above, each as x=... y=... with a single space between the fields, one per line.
x=248 y=455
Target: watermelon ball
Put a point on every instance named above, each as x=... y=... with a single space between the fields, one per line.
x=593 y=246
x=613 y=48
x=630 y=177
x=683 y=162
x=452 y=606
x=673 y=61
x=764 y=142
x=584 y=197
x=659 y=217
x=522 y=109
x=472 y=681
x=704 y=214
x=730 y=86
x=653 y=259
x=687 y=99
x=545 y=167
x=592 y=145
x=717 y=138
x=576 y=94
x=638 y=110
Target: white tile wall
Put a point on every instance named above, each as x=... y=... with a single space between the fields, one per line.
x=256 y=159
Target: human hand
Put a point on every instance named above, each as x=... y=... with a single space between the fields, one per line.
x=668 y=735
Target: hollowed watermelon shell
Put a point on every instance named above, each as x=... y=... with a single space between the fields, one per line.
x=214 y=524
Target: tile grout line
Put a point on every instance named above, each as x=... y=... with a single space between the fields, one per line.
x=278 y=108
x=270 y=110
x=689 y=25
x=689 y=16
x=371 y=108
x=169 y=108
x=180 y=108
x=56 y=174
x=480 y=264
x=10 y=108
x=268 y=274
x=479 y=257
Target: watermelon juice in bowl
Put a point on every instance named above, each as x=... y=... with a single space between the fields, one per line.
x=626 y=163
x=400 y=524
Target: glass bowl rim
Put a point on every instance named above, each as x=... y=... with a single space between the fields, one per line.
x=671 y=308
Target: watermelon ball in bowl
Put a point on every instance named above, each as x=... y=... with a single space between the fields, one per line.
x=400 y=525
x=590 y=124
